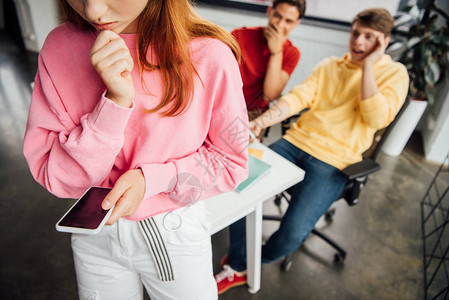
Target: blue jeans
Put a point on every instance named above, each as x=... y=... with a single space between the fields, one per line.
x=310 y=199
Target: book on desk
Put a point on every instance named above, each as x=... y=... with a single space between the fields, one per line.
x=257 y=169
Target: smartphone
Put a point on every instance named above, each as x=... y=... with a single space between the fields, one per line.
x=86 y=215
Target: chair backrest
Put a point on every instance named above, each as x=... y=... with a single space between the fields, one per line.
x=369 y=165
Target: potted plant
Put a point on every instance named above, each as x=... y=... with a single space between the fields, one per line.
x=425 y=50
x=422 y=45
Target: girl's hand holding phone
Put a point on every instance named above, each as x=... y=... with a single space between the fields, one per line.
x=126 y=195
x=111 y=58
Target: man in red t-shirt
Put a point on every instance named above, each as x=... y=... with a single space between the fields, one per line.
x=269 y=58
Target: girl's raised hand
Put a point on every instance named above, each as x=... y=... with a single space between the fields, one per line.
x=111 y=58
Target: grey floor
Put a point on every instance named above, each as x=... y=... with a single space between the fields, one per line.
x=382 y=234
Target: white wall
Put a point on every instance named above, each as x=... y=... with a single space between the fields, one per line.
x=37 y=18
x=344 y=10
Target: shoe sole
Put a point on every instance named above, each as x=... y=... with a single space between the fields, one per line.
x=231 y=286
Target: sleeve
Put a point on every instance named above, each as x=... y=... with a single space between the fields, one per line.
x=67 y=156
x=303 y=95
x=380 y=110
x=220 y=163
x=238 y=32
x=290 y=59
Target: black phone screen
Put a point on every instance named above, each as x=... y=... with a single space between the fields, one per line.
x=87 y=213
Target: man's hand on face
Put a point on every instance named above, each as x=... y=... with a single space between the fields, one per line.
x=378 y=50
x=275 y=38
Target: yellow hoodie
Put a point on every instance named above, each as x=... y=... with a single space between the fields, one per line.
x=339 y=126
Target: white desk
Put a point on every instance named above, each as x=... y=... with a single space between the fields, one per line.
x=225 y=209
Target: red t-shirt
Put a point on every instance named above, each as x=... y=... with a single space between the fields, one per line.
x=254 y=64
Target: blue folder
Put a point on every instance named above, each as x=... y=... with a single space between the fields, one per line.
x=257 y=169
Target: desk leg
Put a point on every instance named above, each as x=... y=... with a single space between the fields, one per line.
x=254 y=248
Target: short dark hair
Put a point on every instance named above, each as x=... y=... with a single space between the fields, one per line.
x=378 y=19
x=300 y=5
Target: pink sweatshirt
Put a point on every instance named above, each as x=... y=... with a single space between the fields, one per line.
x=77 y=138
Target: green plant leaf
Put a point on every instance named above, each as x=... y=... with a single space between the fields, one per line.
x=407 y=8
x=417 y=85
x=430 y=97
x=432 y=71
x=420 y=57
x=438 y=38
x=422 y=4
x=413 y=41
x=431 y=23
x=415 y=11
x=445 y=39
x=425 y=52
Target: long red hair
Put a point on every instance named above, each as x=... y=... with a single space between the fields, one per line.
x=168 y=26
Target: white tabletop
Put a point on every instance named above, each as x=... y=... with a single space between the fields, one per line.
x=227 y=208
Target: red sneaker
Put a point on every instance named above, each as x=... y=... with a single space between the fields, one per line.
x=228 y=278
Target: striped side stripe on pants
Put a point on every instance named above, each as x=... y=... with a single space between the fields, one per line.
x=157 y=248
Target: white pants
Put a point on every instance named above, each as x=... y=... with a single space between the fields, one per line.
x=114 y=263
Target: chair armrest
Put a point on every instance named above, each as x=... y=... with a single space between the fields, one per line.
x=362 y=168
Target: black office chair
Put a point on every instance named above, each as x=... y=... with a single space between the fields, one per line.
x=357 y=175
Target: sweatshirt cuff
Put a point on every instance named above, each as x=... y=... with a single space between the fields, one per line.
x=108 y=118
x=159 y=178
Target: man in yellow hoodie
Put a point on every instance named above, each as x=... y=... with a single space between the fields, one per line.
x=349 y=99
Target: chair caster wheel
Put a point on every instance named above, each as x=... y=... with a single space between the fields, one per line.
x=329 y=215
x=339 y=257
x=286 y=265
x=277 y=201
